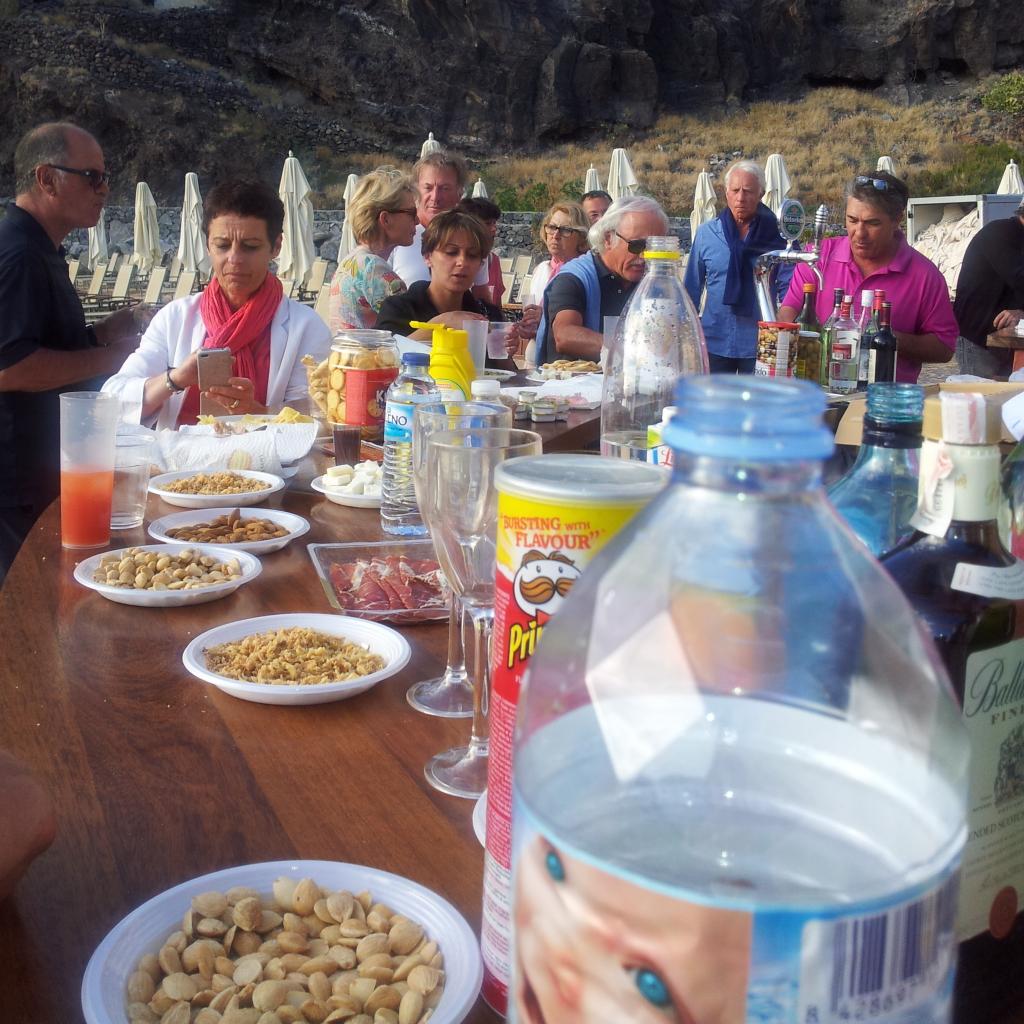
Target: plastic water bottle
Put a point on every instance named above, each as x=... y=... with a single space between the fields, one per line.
x=740 y=770
x=878 y=496
x=658 y=339
x=399 y=512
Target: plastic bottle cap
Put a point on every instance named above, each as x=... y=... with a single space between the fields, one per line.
x=416 y=358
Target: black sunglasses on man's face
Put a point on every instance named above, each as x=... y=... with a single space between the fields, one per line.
x=95 y=178
x=635 y=245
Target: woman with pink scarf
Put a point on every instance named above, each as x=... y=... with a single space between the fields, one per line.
x=564 y=234
x=243 y=309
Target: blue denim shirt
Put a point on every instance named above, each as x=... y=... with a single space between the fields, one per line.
x=726 y=333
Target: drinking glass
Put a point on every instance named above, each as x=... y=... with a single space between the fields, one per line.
x=88 y=421
x=449 y=695
x=462 y=512
x=134 y=453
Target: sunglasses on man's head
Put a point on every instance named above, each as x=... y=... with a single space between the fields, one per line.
x=878 y=184
x=635 y=245
x=95 y=178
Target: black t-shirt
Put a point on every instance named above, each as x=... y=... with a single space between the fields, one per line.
x=397 y=311
x=991 y=278
x=566 y=291
x=39 y=308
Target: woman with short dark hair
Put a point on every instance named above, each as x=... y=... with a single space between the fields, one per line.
x=488 y=214
x=875 y=254
x=243 y=308
x=455 y=244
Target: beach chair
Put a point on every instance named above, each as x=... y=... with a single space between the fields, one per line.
x=314 y=280
x=119 y=296
x=509 y=280
x=524 y=289
x=154 y=286
x=506 y=264
x=95 y=283
x=288 y=284
x=522 y=265
x=112 y=264
x=174 y=270
x=185 y=285
x=322 y=306
x=73 y=266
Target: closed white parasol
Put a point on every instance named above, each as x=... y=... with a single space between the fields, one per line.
x=703 y=203
x=191 y=244
x=430 y=145
x=98 y=242
x=776 y=183
x=1011 y=183
x=147 y=252
x=348 y=240
x=297 y=250
x=621 y=179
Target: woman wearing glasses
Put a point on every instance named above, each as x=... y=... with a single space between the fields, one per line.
x=875 y=254
x=243 y=309
x=382 y=216
x=563 y=232
x=455 y=245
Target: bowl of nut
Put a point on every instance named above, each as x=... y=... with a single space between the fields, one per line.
x=296 y=658
x=167 y=575
x=311 y=937
x=189 y=489
x=259 y=533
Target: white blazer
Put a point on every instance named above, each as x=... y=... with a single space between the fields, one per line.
x=178 y=330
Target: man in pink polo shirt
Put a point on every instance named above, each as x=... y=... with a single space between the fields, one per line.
x=875 y=254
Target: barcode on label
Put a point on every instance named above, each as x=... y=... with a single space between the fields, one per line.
x=879 y=964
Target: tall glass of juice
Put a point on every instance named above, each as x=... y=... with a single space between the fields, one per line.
x=88 y=423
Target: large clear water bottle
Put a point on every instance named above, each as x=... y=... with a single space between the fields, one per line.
x=658 y=339
x=399 y=512
x=740 y=769
x=878 y=496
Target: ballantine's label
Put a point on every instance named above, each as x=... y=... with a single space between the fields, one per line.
x=542 y=548
x=992 y=880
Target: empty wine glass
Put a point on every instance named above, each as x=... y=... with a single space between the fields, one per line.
x=449 y=695
x=461 y=508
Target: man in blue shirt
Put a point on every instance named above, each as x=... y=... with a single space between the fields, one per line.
x=45 y=346
x=722 y=265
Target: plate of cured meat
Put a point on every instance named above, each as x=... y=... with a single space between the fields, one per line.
x=393 y=581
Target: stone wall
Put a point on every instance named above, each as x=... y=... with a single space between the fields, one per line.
x=516 y=231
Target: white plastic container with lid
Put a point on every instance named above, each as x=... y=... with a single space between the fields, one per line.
x=485 y=390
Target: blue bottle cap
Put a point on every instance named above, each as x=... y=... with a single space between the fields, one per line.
x=416 y=359
x=749 y=418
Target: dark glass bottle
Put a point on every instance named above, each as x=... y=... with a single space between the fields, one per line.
x=808 y=353
x=883 y=347
x=968 y=589
x=878 y=497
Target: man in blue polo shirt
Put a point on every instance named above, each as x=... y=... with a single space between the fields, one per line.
x=45 y=346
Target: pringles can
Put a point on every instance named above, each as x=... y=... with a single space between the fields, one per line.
x=555 y=512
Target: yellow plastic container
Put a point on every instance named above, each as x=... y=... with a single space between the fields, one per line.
x=451 y=365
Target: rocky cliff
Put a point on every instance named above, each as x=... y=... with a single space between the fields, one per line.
x=227 y=85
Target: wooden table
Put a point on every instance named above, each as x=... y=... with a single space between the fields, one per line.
x=1008 y=339
x=158 y=778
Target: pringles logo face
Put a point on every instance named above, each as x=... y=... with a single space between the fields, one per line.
x=540 y=586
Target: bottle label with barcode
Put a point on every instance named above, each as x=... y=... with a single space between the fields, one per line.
x=880 y=966
x=591 y=937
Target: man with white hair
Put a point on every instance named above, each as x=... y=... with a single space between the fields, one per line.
x=721 y=265
x=598 y=283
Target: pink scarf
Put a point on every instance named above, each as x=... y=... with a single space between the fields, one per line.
x=246 y=331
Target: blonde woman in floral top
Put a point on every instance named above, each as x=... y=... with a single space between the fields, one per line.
x=383 y=216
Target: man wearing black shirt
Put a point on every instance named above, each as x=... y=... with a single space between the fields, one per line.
x=990 y=294
x=45 y=347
